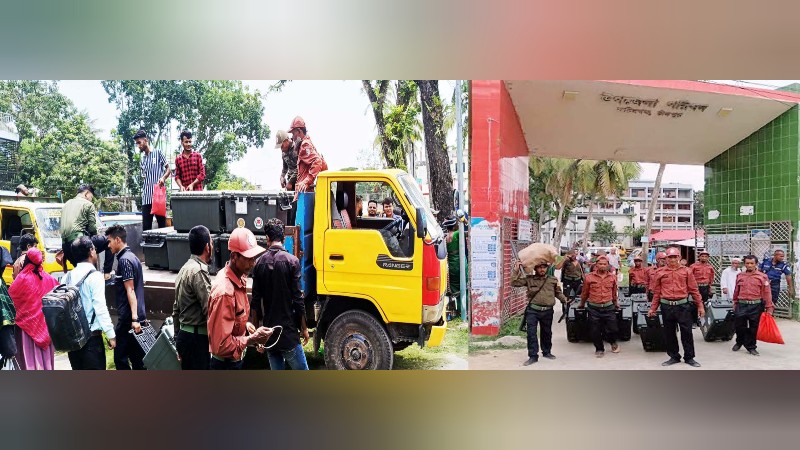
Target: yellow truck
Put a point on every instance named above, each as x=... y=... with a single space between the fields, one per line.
x=373 y=285
x=41 y=217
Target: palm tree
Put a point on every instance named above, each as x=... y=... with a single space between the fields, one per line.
x=598 y=180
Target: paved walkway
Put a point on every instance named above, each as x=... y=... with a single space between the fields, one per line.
x=712 y=355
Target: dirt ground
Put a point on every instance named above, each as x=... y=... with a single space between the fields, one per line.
x=712 y=355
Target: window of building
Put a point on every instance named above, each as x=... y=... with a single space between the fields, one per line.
x=684 y=219
x=685 y=206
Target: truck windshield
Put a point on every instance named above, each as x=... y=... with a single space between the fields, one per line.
x=418 y=201
x=49 y=221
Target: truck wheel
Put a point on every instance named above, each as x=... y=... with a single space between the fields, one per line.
x=356 y=341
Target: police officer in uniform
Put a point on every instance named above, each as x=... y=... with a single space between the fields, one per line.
x=637 y=277
x=671 y=287
x=571 y=273
x=600 y=293
x=751 y=296
x=703 y=273
x=542 y=292
x=774 y=268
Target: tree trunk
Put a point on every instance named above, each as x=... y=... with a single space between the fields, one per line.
x=377 y=100
x=652 y=210
x=541 y=222
x=440 y=177
x=584 y=245
x=559 y=227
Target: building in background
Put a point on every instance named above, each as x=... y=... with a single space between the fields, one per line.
x=675 y=211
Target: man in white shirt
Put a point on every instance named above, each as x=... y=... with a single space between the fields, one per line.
x=93 y=297
x=613 y=259
x=727 y=280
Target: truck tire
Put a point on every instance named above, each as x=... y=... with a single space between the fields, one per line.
x=356 y=341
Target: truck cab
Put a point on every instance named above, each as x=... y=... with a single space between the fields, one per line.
x=373 y=284
x=43 y=219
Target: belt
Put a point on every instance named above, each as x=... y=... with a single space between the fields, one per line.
x=600 y=305
x=228 y=359
x=571 y=279
x=639 y=285
x=674 y=302
x=751 y=302
x=539 y=308
x=196 y=329
x=702 y=285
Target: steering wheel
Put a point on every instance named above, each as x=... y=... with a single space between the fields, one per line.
x=396 y=222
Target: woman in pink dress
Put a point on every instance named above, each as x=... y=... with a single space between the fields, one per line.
x=35 y=350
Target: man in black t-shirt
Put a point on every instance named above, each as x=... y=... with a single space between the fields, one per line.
x=278 y=301
x=130 y=301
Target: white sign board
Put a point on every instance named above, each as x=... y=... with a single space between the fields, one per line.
x=746 y=210
x=524 y=230
x=485 y=269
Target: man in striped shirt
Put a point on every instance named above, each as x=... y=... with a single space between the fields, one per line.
x=155 y=170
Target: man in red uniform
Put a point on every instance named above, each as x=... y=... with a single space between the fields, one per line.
x=637 y=277
x=671 y=287
x=309 y=162
x=600 y=291
x=661 y=261
x=703 y=273
x=751 y=297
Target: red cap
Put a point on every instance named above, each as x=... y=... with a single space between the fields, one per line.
x=637 y=258
x=243 y=241
x=298 y=122
x=672 y=251
x=603 y=257
x=661 y=255
x=704 y=253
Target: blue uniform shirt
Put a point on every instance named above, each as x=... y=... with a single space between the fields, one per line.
x=774 y=271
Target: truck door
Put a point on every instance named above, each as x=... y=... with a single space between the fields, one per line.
x=377 y=256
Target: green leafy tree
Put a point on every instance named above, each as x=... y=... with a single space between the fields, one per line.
x=58 y=149
x=236 y=183
x=635 y=234
x=396 y=111
x=604 y=231
x=224 y=116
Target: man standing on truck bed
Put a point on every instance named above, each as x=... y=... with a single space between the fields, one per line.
x=192 y=288
x=189 y=168
x=309 y=162
x=229 y=308
x=278 y=301
x=155 y=170
x=289 y=172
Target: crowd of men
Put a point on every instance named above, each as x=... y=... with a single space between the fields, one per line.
x=214 y=322
x=679 y=292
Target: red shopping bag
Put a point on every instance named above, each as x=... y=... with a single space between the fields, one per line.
x=768 y=330
x=159 y=207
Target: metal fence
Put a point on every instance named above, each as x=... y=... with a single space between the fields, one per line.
x=724 y=242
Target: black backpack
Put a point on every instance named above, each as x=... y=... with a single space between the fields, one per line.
x=66 y=320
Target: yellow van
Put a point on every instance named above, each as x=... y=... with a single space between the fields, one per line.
x=43 y=219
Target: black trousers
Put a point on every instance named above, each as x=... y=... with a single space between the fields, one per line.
x=91 y=357
x=574 y=285
x=746 y=319
x=705 y=294
x=603 y=325
x=128 y=352
x=216 y=364
x=636 y=290
x=291 y=215
x=544 y=321
x=679 y=316
x=193 y=350
x=147 y=219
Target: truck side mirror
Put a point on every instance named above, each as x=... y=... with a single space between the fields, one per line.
x=421 y=223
